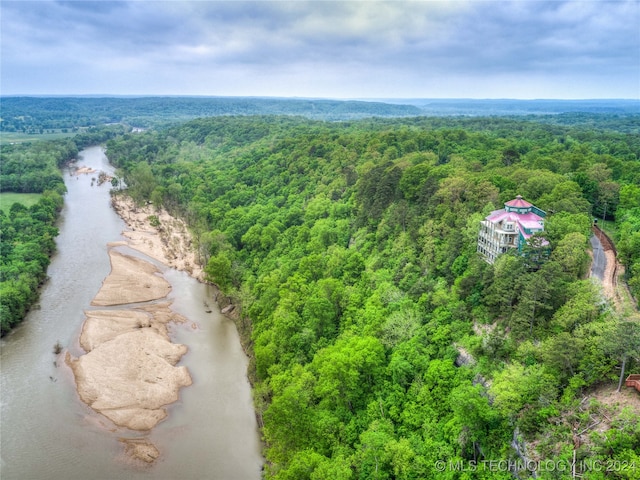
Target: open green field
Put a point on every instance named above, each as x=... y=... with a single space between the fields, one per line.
x=9 y=198
x=19 y=137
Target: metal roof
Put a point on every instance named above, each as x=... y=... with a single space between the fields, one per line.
x=518 y=202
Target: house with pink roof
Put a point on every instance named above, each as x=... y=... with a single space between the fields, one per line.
x=509 y=228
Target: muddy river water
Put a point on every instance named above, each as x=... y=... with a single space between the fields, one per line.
x=46 y=432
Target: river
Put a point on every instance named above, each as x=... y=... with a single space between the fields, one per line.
x=46 y=432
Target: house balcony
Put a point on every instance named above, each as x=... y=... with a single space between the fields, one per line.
x=633 y=381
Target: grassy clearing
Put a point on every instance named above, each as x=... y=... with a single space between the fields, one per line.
x=19 y=137
x=9 y=198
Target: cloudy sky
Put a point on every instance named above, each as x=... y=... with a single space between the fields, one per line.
x=338 y=49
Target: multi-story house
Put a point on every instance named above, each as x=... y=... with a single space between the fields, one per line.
x=510 y=227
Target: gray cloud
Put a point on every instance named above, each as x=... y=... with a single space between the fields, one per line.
x=323 y=48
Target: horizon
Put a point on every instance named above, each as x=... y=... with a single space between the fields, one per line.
x=341 y=99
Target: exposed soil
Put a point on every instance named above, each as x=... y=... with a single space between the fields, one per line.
x=84 y=170
x=139 y=449
x=614 y=269
x=169 y=242
x=627 y=397
x=131 y=280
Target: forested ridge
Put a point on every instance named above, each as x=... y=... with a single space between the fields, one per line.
x=28 y=234
x=41 y=114
x=35 y=115
x=351 y=249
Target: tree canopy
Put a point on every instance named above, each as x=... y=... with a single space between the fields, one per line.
x=351 y=249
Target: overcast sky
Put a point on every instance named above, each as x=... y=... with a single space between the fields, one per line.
x=346 y=49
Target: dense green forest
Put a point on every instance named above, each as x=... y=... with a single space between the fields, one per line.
x=382 y=346
x=27 y=233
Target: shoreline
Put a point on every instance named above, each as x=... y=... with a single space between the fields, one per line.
x=169 y=241
x=129 y=373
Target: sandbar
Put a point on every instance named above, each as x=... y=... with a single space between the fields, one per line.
x=130 y=378
x=131 y=280
x=129 y=372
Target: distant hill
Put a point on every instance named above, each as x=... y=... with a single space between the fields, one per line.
x=508 y=107
x=32 y=114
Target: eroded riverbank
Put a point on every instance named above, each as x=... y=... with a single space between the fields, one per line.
x=167 y=241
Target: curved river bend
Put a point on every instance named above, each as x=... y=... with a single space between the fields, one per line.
x=46 y=432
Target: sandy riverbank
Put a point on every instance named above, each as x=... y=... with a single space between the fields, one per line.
x=84 y=171
x=129 y=372
x=169 y=242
